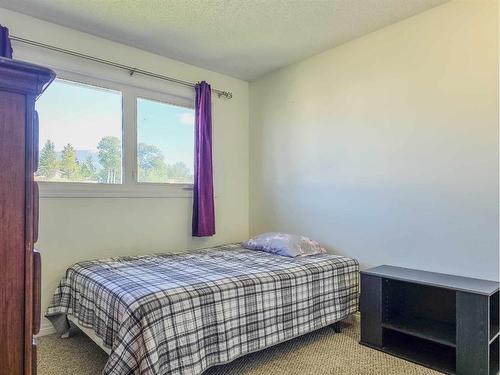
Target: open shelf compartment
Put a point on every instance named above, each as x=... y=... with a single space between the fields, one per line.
x=421 y=311
x=414 y=349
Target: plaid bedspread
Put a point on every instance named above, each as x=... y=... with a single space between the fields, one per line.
x=182 y=313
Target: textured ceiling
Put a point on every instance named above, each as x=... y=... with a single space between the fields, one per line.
x=241 y=38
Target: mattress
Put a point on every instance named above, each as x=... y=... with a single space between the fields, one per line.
x=182 y=313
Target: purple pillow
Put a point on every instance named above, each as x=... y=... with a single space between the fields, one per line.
x=288 y=245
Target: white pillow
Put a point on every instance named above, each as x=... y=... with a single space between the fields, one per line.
x=289 y=245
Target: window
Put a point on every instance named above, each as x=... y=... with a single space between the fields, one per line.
x=80 y=134
x=108 y=139
x=165 y=141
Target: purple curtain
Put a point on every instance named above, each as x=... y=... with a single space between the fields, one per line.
x=203 y=193
x=5 y=46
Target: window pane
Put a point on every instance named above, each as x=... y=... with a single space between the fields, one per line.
x=80 y=134
x=165 y=142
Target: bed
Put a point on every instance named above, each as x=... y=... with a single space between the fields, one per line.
x=183 y=313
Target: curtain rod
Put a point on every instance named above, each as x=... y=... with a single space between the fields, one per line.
x=130 y=69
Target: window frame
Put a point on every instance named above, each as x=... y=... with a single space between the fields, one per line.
x=129 y=186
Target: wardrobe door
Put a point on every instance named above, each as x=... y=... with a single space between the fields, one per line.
x=20 y=84
x=12 y=223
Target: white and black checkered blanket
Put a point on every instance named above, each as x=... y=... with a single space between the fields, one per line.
x=182 y=313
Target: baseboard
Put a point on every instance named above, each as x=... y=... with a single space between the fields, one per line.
x=46 y=328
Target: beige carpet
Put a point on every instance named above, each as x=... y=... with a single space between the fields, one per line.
x=320 y=352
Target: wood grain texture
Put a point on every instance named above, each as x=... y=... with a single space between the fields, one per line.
x=36 y=140
x=12 y=222
x=37 y=290
x=36 y=211
x=20 y=84
x=31 y=203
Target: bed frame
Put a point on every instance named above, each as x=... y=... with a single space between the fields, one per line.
x=89 y=332
x=337 y=326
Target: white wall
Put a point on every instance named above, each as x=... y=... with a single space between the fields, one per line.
x=74 y=229
x=386 y=148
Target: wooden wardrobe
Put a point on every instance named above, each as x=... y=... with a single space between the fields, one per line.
x=20 y=85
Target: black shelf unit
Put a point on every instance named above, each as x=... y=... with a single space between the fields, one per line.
x=445 y=322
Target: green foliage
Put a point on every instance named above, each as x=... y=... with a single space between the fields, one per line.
x=179 y=172
x=109 y=151
x=48 y=164
x=152 y=166
x=69 y=167
x=151 y=163
x=88 y=169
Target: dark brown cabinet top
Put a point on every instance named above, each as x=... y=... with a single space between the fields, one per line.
x=24 y=78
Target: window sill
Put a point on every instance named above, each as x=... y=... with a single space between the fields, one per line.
x=86 y=190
